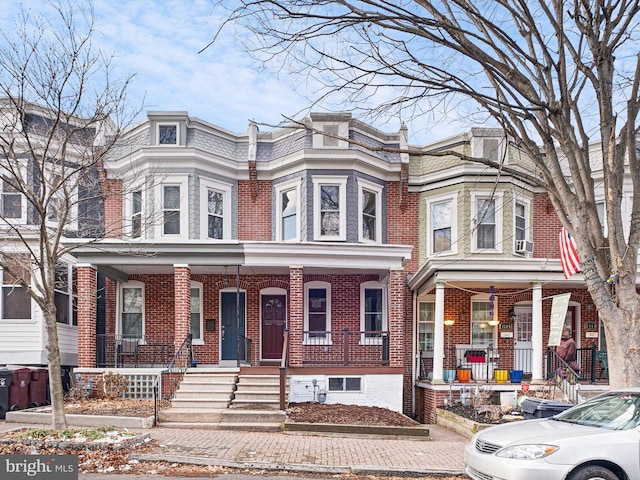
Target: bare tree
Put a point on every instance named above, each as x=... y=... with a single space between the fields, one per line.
x=60 y=113
x=560 y=77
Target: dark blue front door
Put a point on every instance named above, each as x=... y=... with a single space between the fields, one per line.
x=229 y=321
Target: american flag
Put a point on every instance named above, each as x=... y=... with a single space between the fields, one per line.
x=568 y=254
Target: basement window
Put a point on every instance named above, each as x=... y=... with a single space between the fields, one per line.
x=345 y=384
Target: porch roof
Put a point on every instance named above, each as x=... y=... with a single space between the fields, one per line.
x=118 y=259
x=499 y=272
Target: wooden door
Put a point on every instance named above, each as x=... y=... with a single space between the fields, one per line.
x=274 y=321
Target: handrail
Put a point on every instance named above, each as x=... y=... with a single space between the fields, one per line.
x=568 y=387
x=284 y=363
x=179 y=365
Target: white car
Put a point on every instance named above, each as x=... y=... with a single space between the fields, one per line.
x=595 y=440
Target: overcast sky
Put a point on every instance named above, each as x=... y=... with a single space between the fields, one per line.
x=159 y=41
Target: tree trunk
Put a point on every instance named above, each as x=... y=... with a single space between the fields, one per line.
x=58 y=418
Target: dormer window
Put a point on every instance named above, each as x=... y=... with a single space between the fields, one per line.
x=167 y=134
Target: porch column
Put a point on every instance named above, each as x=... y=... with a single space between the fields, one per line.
x=396 y=316
x=87 y=309
x=438 y=335
x=296 y=314
x=536 y=334
x=182 y=302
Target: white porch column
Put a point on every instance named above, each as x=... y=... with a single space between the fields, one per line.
x=438 y=335
x=536 y=334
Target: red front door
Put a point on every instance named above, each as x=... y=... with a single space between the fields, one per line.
x=274 y=320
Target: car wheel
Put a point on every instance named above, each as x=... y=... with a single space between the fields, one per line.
x=593 y=472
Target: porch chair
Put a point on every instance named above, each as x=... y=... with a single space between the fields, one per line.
x=127 y=352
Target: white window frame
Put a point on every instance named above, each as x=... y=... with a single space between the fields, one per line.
x=497 y=198
x=368 y=339
x=183 y=183
x=527 y=218
x=324 y=339
x=198 y=286
x=167 y=124
x=225 y=189
x=71 y=199
x=32 y=305
x=483 y=298
x=279 y=190
x=120 y=302
x=453 y=198
x=377 y=190
x=22 y=219
x=601 y=208
x=68 y=293
x=344 y=384
x=430 y=325
x=320 y=140
x=318 y=183
x=129 y=213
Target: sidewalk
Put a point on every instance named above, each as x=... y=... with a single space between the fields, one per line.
x=313 y=453
x=441 y=453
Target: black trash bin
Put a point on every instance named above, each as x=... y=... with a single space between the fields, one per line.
x=19 y=389
x=6 y=376
x=38 y=387
x=542 y=408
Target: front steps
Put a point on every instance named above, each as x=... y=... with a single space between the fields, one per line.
x=222 y=398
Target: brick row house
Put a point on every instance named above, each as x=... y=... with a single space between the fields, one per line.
x=377 y=272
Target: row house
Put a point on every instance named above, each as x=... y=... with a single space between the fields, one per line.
x=367 y=272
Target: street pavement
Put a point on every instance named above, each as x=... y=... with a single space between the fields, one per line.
x=439 y=454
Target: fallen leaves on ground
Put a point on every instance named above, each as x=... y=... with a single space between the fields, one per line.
x=313 y=412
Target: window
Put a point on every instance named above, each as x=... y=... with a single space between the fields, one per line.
x=426 y=325
x=136 y=214
x=521 y=221
x=11 y=199
x=317 y=321
x=482 y=333
x=487 y=222
x=215 y=214
x=132 y=311
x=288 y=214
x=330 y=141
x=600 y=208
x=330 y=201
x=196 y=311
x=215 y=210
x=167 y=134
x=65 y=294
x=16 y=302
x=345 y=384
x=373 y=308
x=370 y=209
x=441 y=216
x=171 y=209
x=57 y=198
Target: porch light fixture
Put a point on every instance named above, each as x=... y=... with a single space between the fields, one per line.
x=512 y=315
x=449 y=321
x=494 y=321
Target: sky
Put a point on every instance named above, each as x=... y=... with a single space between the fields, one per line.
x=159 y=41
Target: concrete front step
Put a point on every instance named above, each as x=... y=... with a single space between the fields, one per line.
x=200 y=403
x=238 y=415
x=252 y=396
x=190 y=415
x=203 y=394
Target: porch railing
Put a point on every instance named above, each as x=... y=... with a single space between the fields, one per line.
x=345 y=347
x=153 y=350
x=245 y=346
x=167 y=383
x=284 y=363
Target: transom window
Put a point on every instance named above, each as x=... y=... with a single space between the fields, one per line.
x=330 y=208
x=317 y=312
x=167 y=134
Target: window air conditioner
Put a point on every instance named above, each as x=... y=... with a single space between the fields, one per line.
x=524 y=246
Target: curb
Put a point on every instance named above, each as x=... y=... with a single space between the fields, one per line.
x=298 y=468
x=421 y=432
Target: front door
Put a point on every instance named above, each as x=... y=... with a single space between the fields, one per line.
x=274 y=320
x=522 y=345
x=232 y=321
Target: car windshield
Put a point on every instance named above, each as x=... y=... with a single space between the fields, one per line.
x=615 y=411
